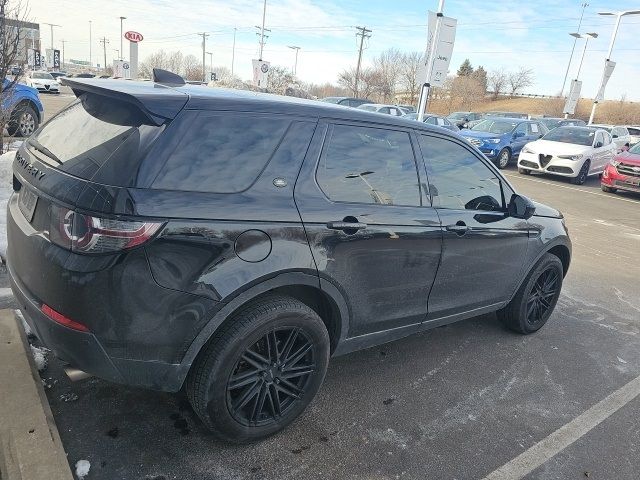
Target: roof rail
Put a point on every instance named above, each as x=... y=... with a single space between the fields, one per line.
x=165 y=77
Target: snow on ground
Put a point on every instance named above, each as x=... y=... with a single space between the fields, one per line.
x=25 y=325
x=6 y=188
x=82 y=468
x=40 y=357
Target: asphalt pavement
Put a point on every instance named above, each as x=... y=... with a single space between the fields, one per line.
x=464 y=401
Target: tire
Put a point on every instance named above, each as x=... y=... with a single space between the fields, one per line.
x=608 y=189
x=502 y=160
x=524 y=171
x=239 y=383
x=23 y=122
x=533 y=303
x=582 y=174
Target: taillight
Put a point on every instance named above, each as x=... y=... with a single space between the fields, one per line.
x=90 y=234
x=61 y=319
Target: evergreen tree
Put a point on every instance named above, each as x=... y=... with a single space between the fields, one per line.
x=481 y=77
x=466 y=69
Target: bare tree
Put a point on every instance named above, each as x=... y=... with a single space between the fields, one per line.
x=522 y=78
x=387 y=67
x=497 y=82
x=191 y=68
x=159 y=59
x=409 y=75
x=174 y=62
x=12 y=15
x=279 y=79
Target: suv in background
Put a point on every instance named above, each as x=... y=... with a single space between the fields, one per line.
x=620 y=135
x=346 y=101
x=501 y=139
x=524 y=116
x=462 y=119
x=382 y=108
x=141 y=253
x=552 y=123
x=634 y=132
x=22 y=105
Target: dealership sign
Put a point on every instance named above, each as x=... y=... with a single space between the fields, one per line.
x=134 y=37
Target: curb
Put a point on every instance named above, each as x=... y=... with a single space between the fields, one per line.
x=30 y=446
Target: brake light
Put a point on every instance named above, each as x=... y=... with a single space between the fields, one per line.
x=61 y=319
x=90 y=234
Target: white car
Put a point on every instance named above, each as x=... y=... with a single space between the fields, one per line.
x=574 y=152
x=43 y=82
x=381 y=108
x=620 y=135
x=634 y=131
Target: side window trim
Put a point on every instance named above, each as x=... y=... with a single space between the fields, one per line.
x=484 y=161
x=330 y=123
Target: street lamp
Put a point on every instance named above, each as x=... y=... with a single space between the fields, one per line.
x=566 y=74
x=121 y=50
x=603 y=82
x=51 y=25
x=295 y=68
x=586 y=36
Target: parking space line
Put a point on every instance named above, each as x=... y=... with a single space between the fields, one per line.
x=613 y=197
x=555 y=443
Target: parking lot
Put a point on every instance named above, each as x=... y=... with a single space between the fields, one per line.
x=457 y=402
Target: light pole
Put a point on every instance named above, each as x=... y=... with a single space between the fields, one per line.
x=210 y=63
x=603 y=82
x=566 y=74
x=118 y=53
x=90 y=63
x=586 y=36
x=121 y=50
x=51 y=25
x=295 y=65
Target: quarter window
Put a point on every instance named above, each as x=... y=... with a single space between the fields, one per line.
x=458 y=179
x=369 y=165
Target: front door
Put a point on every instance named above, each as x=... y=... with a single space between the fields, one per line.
x=361 y=203
x=483 y=248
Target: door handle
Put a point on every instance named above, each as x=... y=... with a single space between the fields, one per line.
x=460 y=228
x=347 y=226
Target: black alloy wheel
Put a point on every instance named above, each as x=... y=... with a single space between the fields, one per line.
x=270 y=376
x=582 y=174
x=541 y=296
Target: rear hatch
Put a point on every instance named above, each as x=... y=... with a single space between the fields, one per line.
x=84 y=160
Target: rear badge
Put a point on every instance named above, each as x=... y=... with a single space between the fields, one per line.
x=280 y=182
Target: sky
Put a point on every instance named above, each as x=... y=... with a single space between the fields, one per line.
x=495 y=34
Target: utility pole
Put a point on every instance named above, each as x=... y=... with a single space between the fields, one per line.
x=566 y=74
x=51 y=25
x=104 y=42
x=90 y=63
x=295 y=65
x=233 y=51
x=204 y=48
x=363 y=33
x=121 y=36
x=62 y=63
x=264 y=15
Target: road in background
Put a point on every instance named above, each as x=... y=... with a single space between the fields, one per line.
x=456 y=402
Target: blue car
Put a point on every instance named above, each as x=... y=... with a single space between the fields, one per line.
x=22 y=107
x=501 y=139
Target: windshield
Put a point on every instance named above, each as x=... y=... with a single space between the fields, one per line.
x=411 y=116
x=498 y=127
x=96 y=132
x=550 y=122
x=603 y=127
x=458 y=115
x=331 y=99
x=577 y=136
x=368 y=108
x=41 y=75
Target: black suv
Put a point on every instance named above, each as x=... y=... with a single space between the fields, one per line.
x=228 y=242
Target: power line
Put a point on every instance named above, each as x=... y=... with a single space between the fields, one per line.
x=204 y=48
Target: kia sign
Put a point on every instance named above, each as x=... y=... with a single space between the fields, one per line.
x=134 y=37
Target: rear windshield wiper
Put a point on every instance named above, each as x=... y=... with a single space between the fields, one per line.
x=42 y=149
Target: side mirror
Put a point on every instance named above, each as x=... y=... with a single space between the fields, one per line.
x=615 y=136
x=521 y=207
x=518 y=134
x=598 y=145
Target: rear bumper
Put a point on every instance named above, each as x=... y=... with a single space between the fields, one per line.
x=80 y=349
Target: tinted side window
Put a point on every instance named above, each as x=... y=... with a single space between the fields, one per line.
x=634 y=131
x=369 y=165
x=521 y=129
x=431 y=120
x=458 y=179
x=222 y=153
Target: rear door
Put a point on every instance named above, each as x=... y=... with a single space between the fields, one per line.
x=483 y=248
x=372 y=233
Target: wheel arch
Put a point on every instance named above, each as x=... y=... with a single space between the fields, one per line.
x=29 y=103
x=319 y=295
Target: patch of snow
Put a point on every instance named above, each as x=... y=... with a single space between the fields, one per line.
x=621 y=360
x=69 y=397
x=82 y=468
x=25 y=325
x=6 y=189
x=40 y=357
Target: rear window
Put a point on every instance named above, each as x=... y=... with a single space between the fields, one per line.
x=222 y=153
x=97 y=139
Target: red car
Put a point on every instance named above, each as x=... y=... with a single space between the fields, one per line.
x=623 y=173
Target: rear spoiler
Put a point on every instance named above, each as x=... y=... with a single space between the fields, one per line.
x=158 y=102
